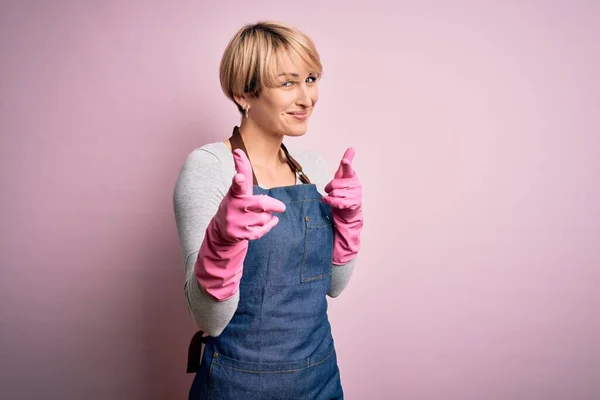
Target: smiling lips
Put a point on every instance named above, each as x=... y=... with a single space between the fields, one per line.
x=301 y=115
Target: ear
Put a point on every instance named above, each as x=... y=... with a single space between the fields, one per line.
x=241 y=101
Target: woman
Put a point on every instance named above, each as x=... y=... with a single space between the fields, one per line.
x=263 y=244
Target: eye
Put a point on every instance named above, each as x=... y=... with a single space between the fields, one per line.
x=288 y=84
x=311 y=79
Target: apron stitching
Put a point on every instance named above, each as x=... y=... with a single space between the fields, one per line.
x=262 y=300
x=307 y=377
x=210 y=374
x=250 y=371
x=262 y=372
x=306 y=230
x=304 y=254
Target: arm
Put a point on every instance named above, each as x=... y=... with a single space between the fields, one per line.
x=340 y=277
x=340 y=274
x=198 y=192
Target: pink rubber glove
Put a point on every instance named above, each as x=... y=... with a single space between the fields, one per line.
x=241 y=216
x=345 y=198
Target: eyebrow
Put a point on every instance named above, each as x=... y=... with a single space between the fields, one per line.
x=295 y=75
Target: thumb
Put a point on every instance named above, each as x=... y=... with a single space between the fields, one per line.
x=244 y=169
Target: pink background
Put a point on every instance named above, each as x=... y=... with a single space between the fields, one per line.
x=477 y=136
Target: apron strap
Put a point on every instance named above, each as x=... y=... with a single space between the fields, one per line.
x=237 y=143
x=195 y=352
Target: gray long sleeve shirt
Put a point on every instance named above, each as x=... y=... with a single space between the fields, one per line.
x=203 y=182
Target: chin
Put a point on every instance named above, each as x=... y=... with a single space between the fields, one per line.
x=298 y=130
x=296 y=133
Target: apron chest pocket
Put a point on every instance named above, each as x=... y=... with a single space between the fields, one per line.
x=318 y=246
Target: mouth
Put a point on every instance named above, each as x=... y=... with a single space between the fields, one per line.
x=301 y=115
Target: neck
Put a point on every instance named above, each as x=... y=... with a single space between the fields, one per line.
x=263 y=147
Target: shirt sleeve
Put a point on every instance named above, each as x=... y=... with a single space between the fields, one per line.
x=200 y=187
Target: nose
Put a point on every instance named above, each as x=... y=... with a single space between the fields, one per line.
x=303 y=97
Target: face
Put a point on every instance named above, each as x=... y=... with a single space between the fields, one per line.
x=286 y=108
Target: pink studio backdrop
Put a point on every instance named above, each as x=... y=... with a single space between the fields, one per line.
x=477 y=136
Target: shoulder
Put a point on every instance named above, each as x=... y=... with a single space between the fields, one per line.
x=211 y=158
x=205 y=166
x=210 y=153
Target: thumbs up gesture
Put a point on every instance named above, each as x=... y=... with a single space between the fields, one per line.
x=344 y=195
x=241 y=216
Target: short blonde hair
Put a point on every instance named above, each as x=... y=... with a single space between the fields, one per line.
x=250 y=60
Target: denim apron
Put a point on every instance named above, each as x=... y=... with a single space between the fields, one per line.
x=278 y=345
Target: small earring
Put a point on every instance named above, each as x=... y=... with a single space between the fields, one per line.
x=246 y=110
